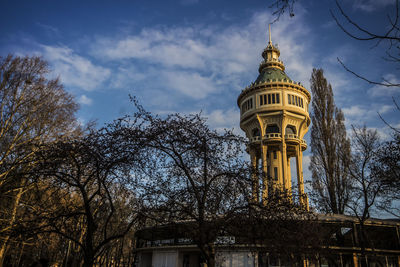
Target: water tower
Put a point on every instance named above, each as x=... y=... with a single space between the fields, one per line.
x=274 y=116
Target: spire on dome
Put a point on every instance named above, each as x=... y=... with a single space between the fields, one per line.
x=269 y=31
x=271 y=55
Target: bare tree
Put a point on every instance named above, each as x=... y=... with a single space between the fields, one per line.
x=200 y=189
x=87 y=199
x=279 y=228
x=367 y=188
x=330 y=148
x=33 y=110
x=386 y=167
x=197 y=177
x=389 y=35
x=280 y=7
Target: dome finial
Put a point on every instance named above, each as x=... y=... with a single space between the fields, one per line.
x=269 y=31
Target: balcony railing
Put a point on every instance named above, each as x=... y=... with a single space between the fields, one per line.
x=272 y=135
x=291 y=136
x=256 y=139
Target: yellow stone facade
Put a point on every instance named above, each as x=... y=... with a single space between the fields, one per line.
x=274 y=115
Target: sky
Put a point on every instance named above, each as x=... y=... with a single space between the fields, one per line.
x=191 y=56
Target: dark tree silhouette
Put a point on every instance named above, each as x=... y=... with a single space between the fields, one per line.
x=87 y=200
x=367 y=188
x=197 y=176
x=330 y=149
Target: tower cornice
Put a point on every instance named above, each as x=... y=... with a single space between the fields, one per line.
x=270 y=85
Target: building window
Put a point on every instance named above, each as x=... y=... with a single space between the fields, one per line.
x=256 y=132
x=295 y=100
x=272 y=129
x=290 y=129
x=248 y=104
x=276 y=173
x=275 y=155
x=268 y=99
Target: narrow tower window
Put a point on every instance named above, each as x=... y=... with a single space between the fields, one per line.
x=256 y=132
x=269 y=99
x=276 y=173
x=273 y=98
x=272 y=129
x=289 y=102
x=290 y=129
x=277 y=98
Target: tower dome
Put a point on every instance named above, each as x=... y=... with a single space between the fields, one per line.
x=274 y=116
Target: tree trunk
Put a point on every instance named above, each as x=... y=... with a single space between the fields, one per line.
x=210 y=255
x=4 y=242
x=88 y=259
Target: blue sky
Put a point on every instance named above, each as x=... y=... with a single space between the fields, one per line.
x=197 y=55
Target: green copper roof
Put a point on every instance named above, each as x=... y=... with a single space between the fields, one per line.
x=271 y=74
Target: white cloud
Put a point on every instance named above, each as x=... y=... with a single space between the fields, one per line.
x=358 y=116
x=48 y=28
x=199 y=61
x=354 y=111
x=371 y=5
x=75 y=70
x=380 y=90
x=220 y=119
x=125 y=77
x=191 y=84
x=84 y=100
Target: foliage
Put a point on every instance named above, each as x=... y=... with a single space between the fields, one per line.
x=330 y=148
x=33 y=110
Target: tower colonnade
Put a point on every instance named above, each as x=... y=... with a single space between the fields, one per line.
x=274 y=116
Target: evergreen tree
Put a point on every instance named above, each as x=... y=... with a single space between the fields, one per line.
x=330 y=149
